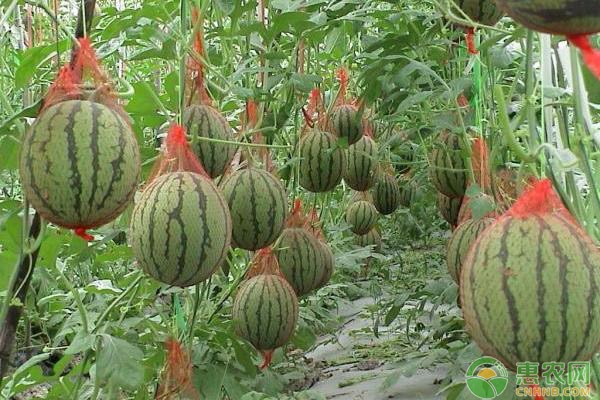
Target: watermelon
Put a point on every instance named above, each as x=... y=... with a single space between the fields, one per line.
x=300 y=258
x=327 y=266
x=362 y=216
x=206 y=121
x=80 y=164
x=529 y=284
x=347 y=123
x=447 y=166
x=460 y=242
x=386 y=194
x=563 y=17
x=481 y=11
x=409 y=191
x=265 y=311
x=449 y=208
x=361 y=163
x=371 y=238
x=322 y=162
x=180 y=228
x=258 y=205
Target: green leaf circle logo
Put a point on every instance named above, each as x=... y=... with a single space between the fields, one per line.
x=487 y=378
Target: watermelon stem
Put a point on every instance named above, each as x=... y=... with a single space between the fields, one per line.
x=591 y=55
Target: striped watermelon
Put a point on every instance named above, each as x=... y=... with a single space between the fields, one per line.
x=361 y=164
x=265 y=311
x=206 y=121
x=322 y=162
x=327 y=265
x=386 y=194
x=80 y=164
x=258 y=205
x=409 y=191
x=362 y=216
x=460 y=242
x=300 y=258
x=482 y=11
x=447 y=166
x=371 y=238
x=449 y=208
x=530 y=282
x=346 y=122
x=563 y=17
x=180 y=228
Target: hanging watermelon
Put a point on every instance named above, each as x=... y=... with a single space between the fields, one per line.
x=180 y=228
x=481 y=11
x=265 y=309
x=529 y=284
x=346 y=117
x=80 y=163
x=575 y=19
x=201 y=118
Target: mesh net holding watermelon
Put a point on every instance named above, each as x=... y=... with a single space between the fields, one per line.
x=176 y=377
x=83 y=79
x=176 y=155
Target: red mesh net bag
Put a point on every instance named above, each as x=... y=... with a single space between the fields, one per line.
x=342 y=97
x=83 y=79
x=470 y=38
x=264 y=263
x=315 y=114
x=591 y=55
x=196 y=84
x=480 y=161
x=296 y=219
x=176 y=377
x=262 y=154
x=539 y=199
x=176 y=155
x=314 y=224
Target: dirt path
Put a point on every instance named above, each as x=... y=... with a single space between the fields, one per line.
x=352 y=369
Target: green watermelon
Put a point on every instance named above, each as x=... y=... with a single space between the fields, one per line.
x=300 y=258
x=180 y=228
x=386 y=194
x=80 y=164
x=447 y=166
x=481 y=11
x=346 y=122
x=461 y=241
x=265 y=311
x=327 y=265
x=361 y=164
x=529 y=285
x=449 y=208
x=409 y=191
x=206 y=121
x=371 y=238
x=362 y=216
x=562 y=17
x=322 y=162
x=258 y=205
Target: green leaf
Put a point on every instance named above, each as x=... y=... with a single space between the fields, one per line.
x=32 y=59
x=102 y=286
x=81 y=342
x=119 y=362
x=226 y=6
